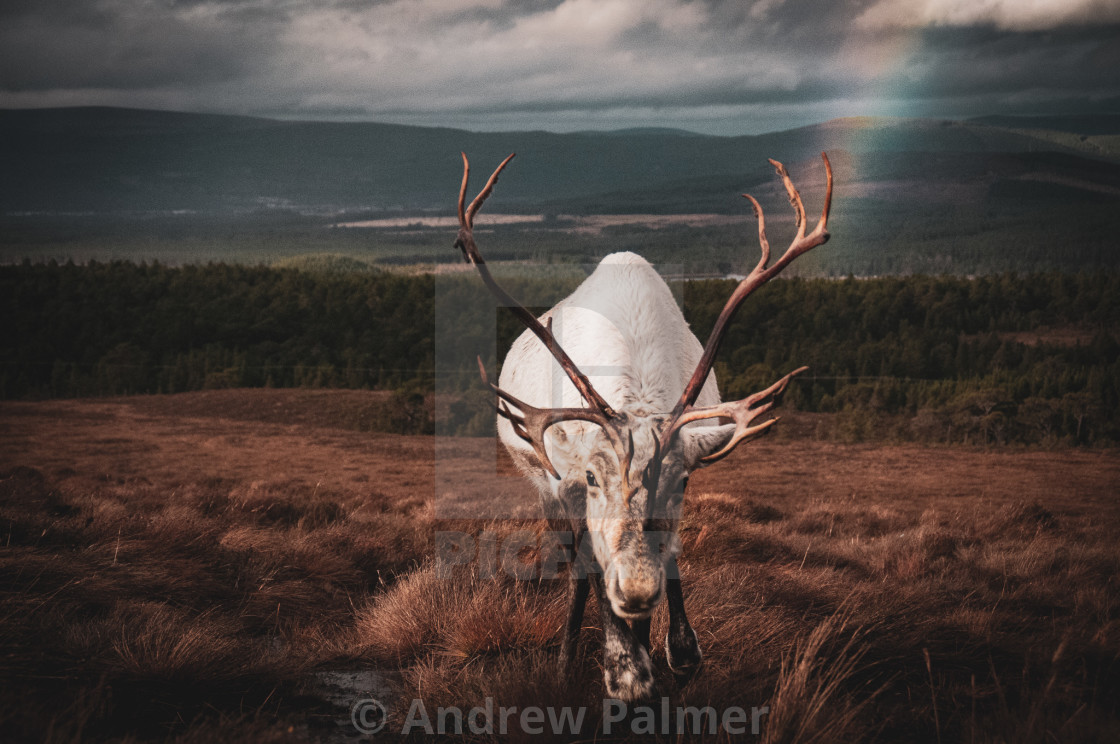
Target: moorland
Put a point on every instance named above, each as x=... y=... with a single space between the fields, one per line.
x=192 y=567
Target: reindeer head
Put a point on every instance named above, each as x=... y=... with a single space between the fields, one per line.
x=629 y=502
x=625 y=473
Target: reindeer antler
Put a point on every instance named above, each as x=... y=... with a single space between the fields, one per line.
x=744 y=412
x=532 y=422
x=465 y=243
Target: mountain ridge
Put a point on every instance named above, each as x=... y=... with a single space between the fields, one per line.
x=104 y=159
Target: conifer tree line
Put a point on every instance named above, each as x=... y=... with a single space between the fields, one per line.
x=991 y=359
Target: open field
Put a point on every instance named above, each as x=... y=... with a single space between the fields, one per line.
x=199 y=567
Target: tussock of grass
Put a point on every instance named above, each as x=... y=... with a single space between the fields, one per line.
x=156 y=641
x=847 y=522
x=1018 y=518
x=811 y=701
x=453 y=611
x=286 y=504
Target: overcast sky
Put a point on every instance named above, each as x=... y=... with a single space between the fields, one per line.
x=714 y=66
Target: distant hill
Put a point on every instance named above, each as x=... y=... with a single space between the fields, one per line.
x=1087 y=124
x=641 y=131
x=122 y=160
x=912 y=195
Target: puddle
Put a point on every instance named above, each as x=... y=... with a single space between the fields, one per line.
x=353 y=705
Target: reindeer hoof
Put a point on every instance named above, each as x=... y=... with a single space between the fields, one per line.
x=628 y=676
x=683 y=653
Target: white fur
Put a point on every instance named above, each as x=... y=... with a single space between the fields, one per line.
x=626 y=676
x=624 y=318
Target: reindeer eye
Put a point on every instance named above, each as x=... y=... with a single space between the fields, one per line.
x=677 y=496
x=591 y=479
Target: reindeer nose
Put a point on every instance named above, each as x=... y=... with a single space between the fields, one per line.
x=638 y=591
x=639 y=603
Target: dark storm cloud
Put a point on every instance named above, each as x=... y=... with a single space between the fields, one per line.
x=111 y=45
x=986 y=60
x=713 y=65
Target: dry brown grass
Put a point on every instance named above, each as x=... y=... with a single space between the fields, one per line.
x=181 y=568
x=811 y=702
x=453 y=612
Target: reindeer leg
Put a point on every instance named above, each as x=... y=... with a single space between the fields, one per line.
x=577 y=599
x=627 y=669
x=641 y=631
x=682 y=648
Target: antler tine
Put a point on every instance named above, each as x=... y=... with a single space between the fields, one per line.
x=463 y=192
x=466 y=218
x=502 y=408
x=763 y=243
x=741 y=435
x=533 y=422
x=794 y=197
x=465 y=242
x=759 y=276
x=517 y=422
x=819 y=235
x=742 y=412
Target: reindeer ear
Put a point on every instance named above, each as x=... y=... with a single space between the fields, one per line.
x=701 y=441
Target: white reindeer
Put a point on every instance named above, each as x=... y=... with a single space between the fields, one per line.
x=611 y=461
